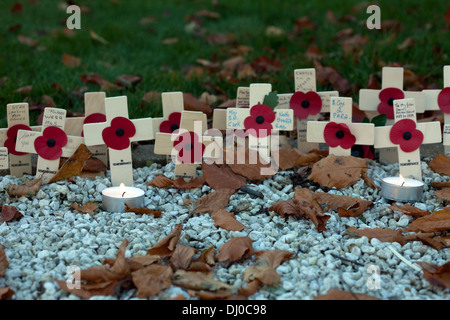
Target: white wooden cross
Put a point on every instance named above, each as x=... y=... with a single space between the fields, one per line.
x=236 y=117
x=440 y=100
x=340 y=113
x=220 y=115
x=50 y=145
x=305 y=81
x=369 y=100
x=17 y=117
x=117 y=133
x=94 y=111
x=173 y=106
x=409 y=160
x=192 y=126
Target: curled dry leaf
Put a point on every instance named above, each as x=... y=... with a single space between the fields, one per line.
x=290 y=158
x=384 y=235
x=264 y=274
x=437 y=221
x=436 y=275
x=214 y=201
x=286 y=207
x=250 y=165
x=88 y=207
x=3 y=262
x=235 y=249
x=338 y=171
x=191 y=103
x=6 y=293
x=346 y=206
x=151 y=279
x=28 y=189
x=200 y=281
x=74 y=165
x=226 y=220
x=166 y=246
x=440 y=164
x=272 y=258
x=182 y=257
x=155 y=213
x=311 y=208
x=409 y=210
x=222 y=178
x=180 y=183
x=10 y=213
x=71 y=61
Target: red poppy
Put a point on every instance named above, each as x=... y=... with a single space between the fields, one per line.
x=117 y=136
x=305 y=104
x=338 y=134
x=171 y=124
x=405 y=134
x=259 y=123
x=444 y=100
x=94 y=118
x=49 y=145
x=11 y=135
x=190 y=149
x=387 y=97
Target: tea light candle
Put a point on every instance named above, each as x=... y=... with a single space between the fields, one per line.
x=401 y=189
x=115 y=198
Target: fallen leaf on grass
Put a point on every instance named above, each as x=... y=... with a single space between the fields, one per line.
x=128 y=80
x=346 y=206
x=436 y=275
x=335 y=294
x=235 y=249
x=155 y=213
x=27 y=41
x=74 y=165
x=70 y=61
x=222 y=178
x=409 y=210
x=88 y=207
x=191 y=103
x=28 y=189
x=338 y=171
x=151 y=279
x=226 y=220
x=10 y=213
x=166 y=246
x=437 y=221
x=96 y=37
x=384 y=235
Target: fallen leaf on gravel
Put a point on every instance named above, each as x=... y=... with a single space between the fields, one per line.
x=88 y=207
x=338 y=171
x=249 y=164
x=290 y=158
x=151 y=279
x=155 y=213
x=440 y=164
x=74 y=165
x=10 y=213
x=6 y=293
x=182 y=257
x=311 y=208
x=264 y=274
x=272 y=258
x=409 y=210
x=346 y=206
x=214 y=201
x=207 y=256
x=286 y=207
x=443 y=194
x=200 y=281
x=430 y=239
x=222 y=178
x=28 y=189
x=180 y=183
x=437 y=221
x=226 y=220
x=3 y=262
x=235 y=249
x=436 y=275
x=384 y=235
x=166 y=246
x=335 y=294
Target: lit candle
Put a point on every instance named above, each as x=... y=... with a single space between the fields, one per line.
x=115 y=198
x=401 y=189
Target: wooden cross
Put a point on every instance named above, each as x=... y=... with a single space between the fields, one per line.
x=173 y=106
x=243 y=118
x=94 y=111
x=407 y=135
x=220 y=115
x=305 y=81
x=188 y=146
x=440 y=100
x=17 y=117
x=382 y=100
x=340 y=134
x=50 y=144
x=117 y=133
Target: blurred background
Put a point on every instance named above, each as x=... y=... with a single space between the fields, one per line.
x=207 y=48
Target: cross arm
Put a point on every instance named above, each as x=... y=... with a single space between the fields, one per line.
x=363 y=132
x=431 y=134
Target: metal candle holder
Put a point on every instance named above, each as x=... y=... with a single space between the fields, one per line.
x=401 y=189
x=115 y=198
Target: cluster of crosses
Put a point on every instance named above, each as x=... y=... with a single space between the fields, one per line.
x=260 y=114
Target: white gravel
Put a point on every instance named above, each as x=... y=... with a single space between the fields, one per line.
x=51 y=237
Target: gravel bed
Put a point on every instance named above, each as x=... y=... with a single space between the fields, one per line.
x=51 y=236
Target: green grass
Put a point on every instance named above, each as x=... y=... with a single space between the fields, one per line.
x=137 y=49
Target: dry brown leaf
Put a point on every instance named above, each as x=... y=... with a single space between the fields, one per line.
x=27 y=41
x=338 y=171
x=3 y=262
x=235 y=249
x=250 y=166
x=443 y=194
x=155 y=213
x=70 y=61
x=286 y=207
x=430 y=239
x=207 y=256
x=335 y=294
x=182 y=257
x=436 y=275
x=88 y=207
x=6 y=293
x=151 y=279
x=74 y=165
x=272 y=258
x=138 y=261
x=311 y=208
x=265 y=274
x=222 y=178
x=409 y=210
x=28 y=189
x=166 y=246
x=346 y=206
x=214 y=201
x=437 y=221
x=250 y=288
x=96 y=37
x=191 y=103
x=10 y=213
x=199 y=281
x=226 y=220
x=440 y=164
x=180 y=183
x=384 y=235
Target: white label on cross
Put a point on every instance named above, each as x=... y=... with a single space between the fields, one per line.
x=409 y=161
x=119 y=137
x=341 y=113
